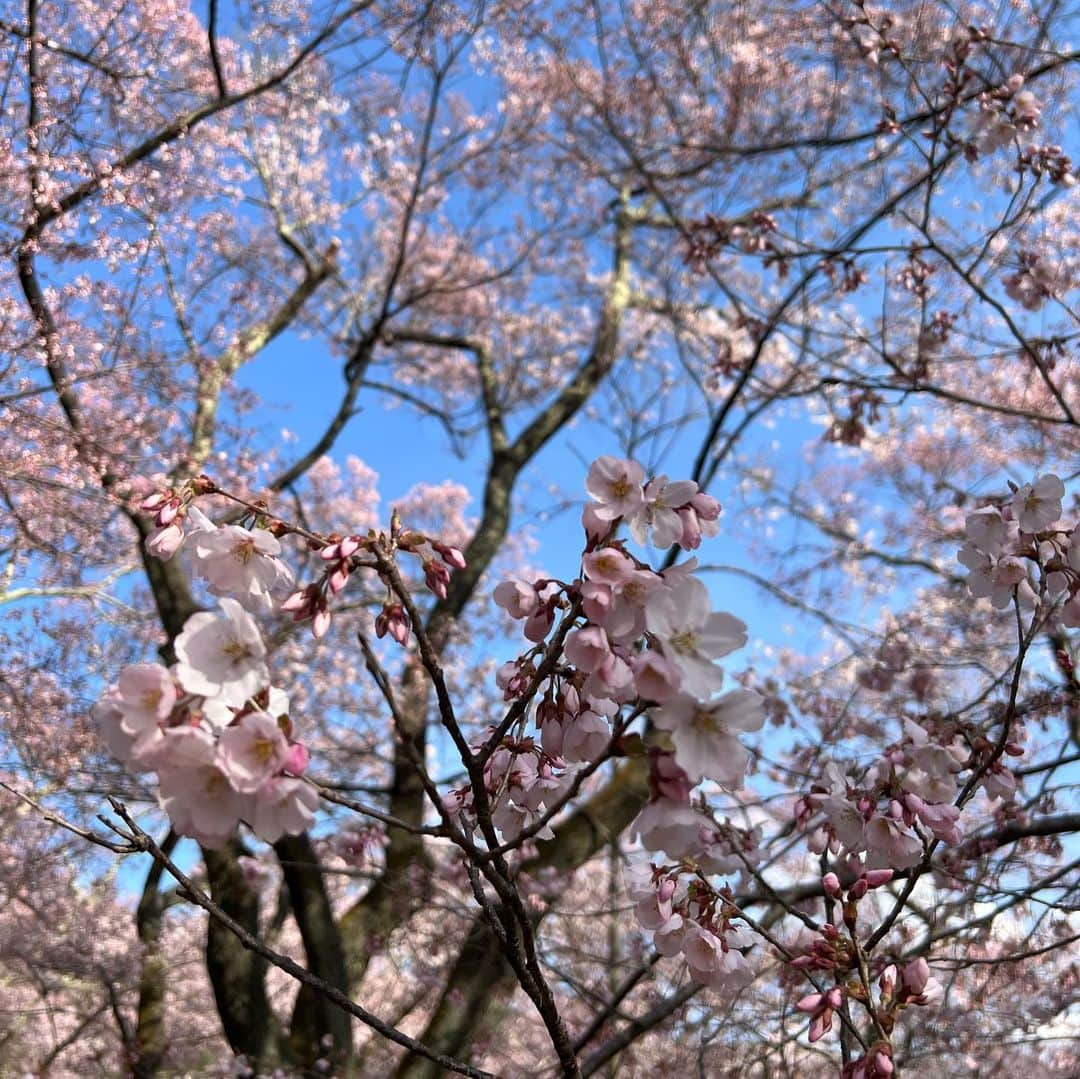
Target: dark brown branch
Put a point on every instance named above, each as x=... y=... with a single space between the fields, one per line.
x=249 y=941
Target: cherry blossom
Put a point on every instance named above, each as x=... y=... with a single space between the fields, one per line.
x=283 y=805
x=239 y=562
x=145 y=696
x=616 y=485
x=252 y=751
x=658 y=519
x=201 y=802
x=1038 y=505
x=691 y=635
x=222 y=655
x=704 y=733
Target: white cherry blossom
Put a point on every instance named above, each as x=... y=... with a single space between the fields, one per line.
x=616 y=486
x=145 y=696
x=1036 y=506
x=222 y=655
x=659 y=512
x=704 y=734
x=692 y=635
x=201 y=802
x=239 y=562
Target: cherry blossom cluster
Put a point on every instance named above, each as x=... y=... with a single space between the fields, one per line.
x=243 y=562
x=1004 y=115
x=898 y=988
x=215 y=731
x=343 y=555
x=832 y=952
x=687 y=915
x=234 y=561
x=675 y=900
x=906 y=799
x=1020 y=549
x=631 y=637
x=523 y=781
x=1035 y=281
x=906 y=796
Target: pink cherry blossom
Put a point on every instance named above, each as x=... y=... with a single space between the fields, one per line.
x=656 y=678
x=588 y=648
x=517 y=598
x=283 y=805
x=607 y=566
x=165 y=540
x=692 y=636
x=201 y=802
x=252 y=750
x=585 y=736
x=890 y=846
x=658 y=518
x=145 y=695
x=704 y=734
x=616 y=487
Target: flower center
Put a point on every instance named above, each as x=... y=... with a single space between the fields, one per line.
x=704 y=720
x=244 y=551
x=263 y=750
x=236 y=650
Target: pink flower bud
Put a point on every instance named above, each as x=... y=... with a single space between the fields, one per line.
x=538 y=624
x=858 y=889
x=811 y=1004
x=916 y=974
x=296 y=760
x=450 y=555
x=437 y=577
x=666 y=890
x=320 y=623
x=339 y=578
x=705 y=506
x=169 y=511
x=295 y=601
x=392 y=619
x=164 y=542
x=831 y=883
x=690 y=539
x=875 y=878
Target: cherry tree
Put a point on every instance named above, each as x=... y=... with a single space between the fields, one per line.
x=715 y=711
